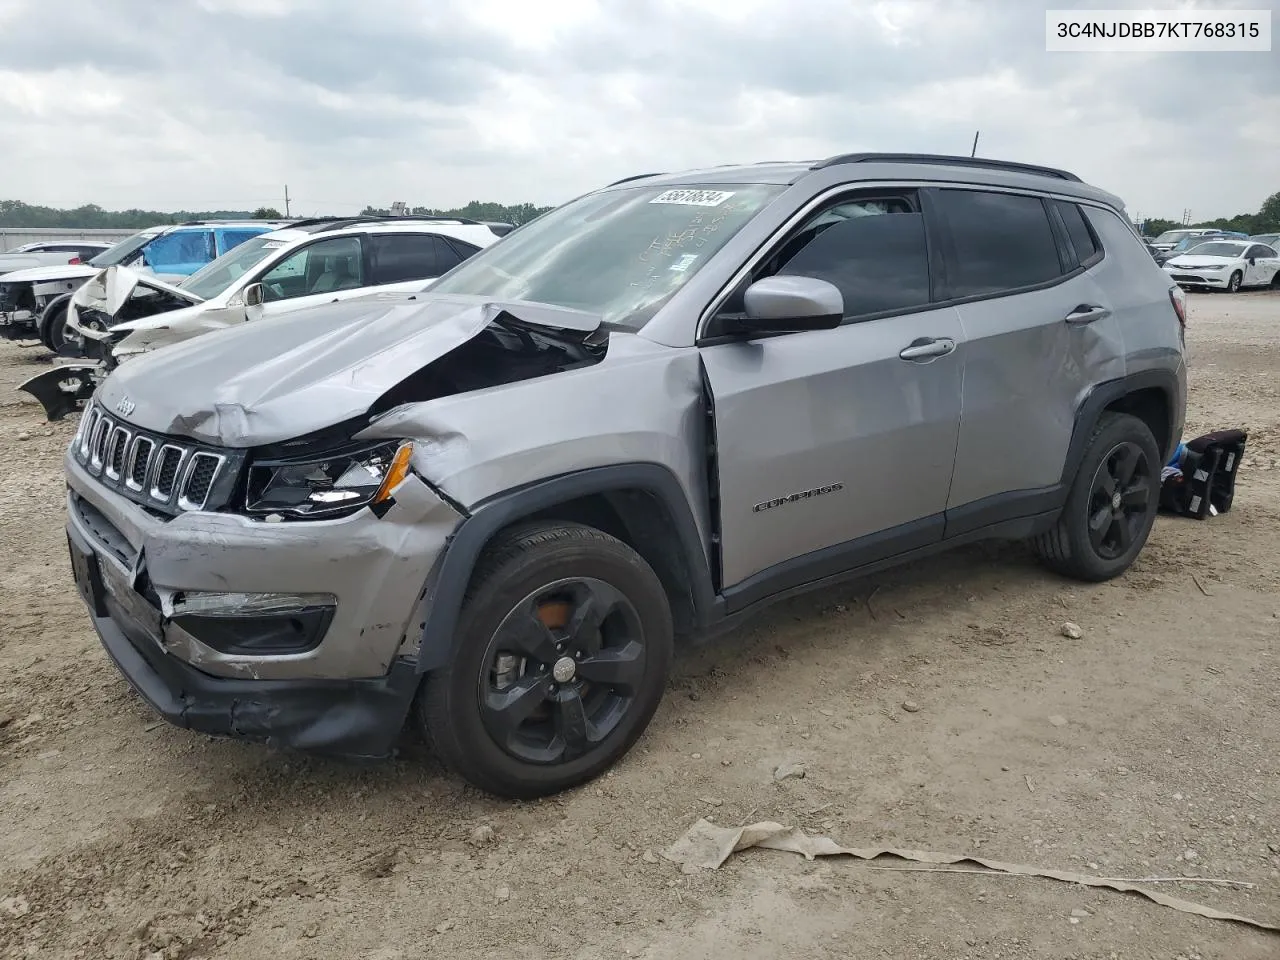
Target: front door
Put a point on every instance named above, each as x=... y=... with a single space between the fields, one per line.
x=322 y=272
x=1259 y=272
x=835 y=447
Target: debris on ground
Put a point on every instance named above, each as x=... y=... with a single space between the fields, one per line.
x=707 y=846
x=482 y=836
x=789 y=771
x=1072 y=631
x=910 y=706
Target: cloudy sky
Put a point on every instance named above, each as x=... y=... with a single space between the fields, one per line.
x=201 y=104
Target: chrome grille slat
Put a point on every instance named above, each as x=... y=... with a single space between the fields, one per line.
x=98 y=443
x=198 y=480
x=169 y=462
x=139 y=463
x=116 y=447
x=163 y=475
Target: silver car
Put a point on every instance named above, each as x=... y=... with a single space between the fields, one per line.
x=489 y=510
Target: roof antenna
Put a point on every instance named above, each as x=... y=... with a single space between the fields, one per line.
x=974 y=151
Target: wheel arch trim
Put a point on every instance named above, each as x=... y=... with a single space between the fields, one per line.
x=1103 y=395
x=483 y=522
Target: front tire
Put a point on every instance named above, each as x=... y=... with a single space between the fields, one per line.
x=53 y=326
x=562 y=652
x=1234 y=283
x=1111 y=506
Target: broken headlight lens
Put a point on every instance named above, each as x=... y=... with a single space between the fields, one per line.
x=337 y=483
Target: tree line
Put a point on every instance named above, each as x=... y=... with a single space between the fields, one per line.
x=1266 y=220
x=475 y=210
x=15 y=213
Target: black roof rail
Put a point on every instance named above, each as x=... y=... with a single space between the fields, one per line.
x=336 y=222
x=946 y=161
x=638 y=176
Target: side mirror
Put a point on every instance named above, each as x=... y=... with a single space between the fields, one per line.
x=1253 y=261
x=254 y=296
x=791 y=305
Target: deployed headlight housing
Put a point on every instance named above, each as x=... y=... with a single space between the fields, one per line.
x=336 y=483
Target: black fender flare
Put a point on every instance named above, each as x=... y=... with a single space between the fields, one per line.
x=453 y=573
x=1104 y=395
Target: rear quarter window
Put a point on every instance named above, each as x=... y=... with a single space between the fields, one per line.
x=1085 y=246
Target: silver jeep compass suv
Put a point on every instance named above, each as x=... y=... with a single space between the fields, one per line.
x=488 y=509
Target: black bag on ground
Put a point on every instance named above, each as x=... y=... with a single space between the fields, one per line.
x=1202 y=479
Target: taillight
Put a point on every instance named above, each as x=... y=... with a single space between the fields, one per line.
x=1178 y=297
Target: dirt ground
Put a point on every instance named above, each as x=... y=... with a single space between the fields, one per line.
x=1149 y=747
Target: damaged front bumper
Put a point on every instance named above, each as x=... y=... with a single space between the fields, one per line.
x=18 y=325
x=346 y=694
x=64 y=389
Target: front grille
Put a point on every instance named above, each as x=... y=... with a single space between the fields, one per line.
x=16 y=296
x=167 y=476
x=1188 y=278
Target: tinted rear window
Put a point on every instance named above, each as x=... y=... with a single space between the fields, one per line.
x=1002 y=241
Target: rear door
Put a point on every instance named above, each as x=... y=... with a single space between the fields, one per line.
x=231 y=237
x=403 y=261
x=1038 y=331
x=833 y=448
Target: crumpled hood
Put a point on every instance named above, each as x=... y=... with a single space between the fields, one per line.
x=273 y=380
x=68 y=271
x=109 y=289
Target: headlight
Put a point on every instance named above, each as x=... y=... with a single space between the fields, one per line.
x=334 y=484
x=1213 y=266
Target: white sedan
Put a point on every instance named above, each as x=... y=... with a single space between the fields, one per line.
x=1226 y=265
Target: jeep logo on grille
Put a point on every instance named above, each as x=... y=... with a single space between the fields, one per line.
x=125 y=406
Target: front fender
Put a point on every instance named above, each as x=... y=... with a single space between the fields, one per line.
x=453 y=574
x=64 y=389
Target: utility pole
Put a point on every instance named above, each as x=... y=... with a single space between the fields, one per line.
x=286 y=200
x=974 y=151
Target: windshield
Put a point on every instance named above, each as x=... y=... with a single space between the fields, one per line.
x=124 y=249
x=1186 y=243
x=211 y=279
x=1217 y=249
x=1171 y=236
x=620 y=254
x=1268 y=238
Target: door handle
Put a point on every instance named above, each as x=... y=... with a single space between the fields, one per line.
x=924 y=349
x=1087 y=313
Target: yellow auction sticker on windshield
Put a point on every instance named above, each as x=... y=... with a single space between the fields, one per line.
x=694 y=198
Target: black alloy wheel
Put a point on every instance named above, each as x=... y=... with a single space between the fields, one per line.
x=1118 y=500
x=562 y=670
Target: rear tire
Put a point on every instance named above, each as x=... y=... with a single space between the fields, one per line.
x=1111 y=506
x=562 y=652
